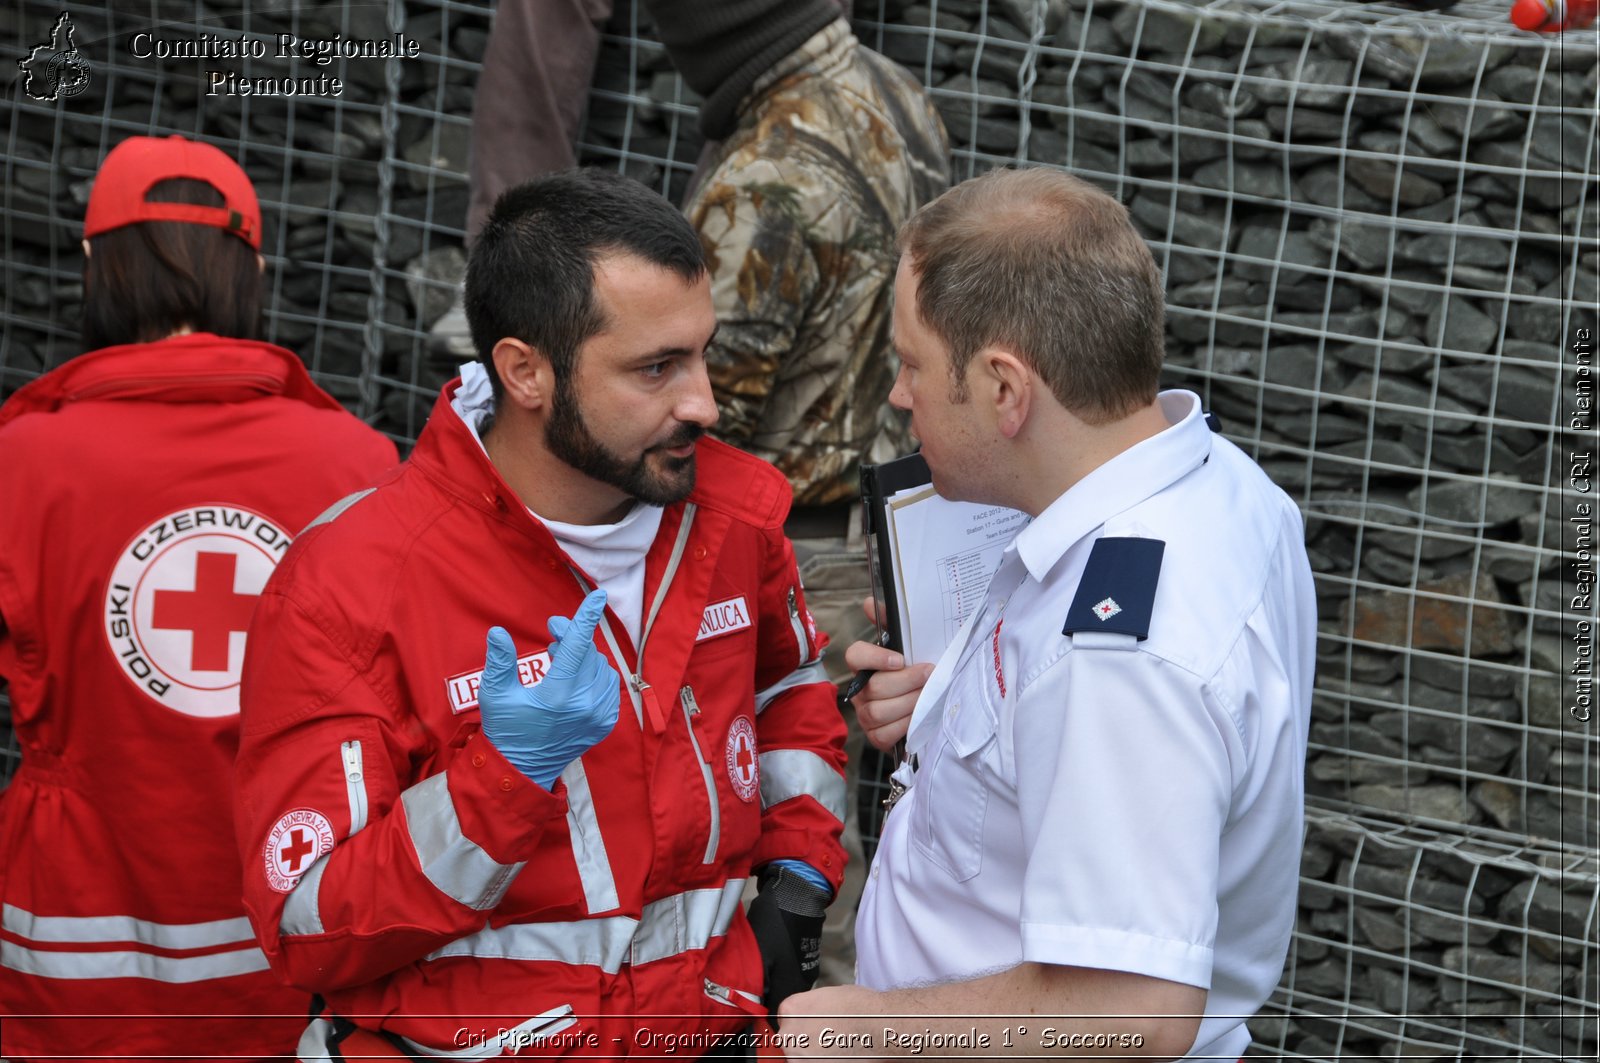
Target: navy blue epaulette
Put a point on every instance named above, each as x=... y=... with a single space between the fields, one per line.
x=1213 y=422
x=1118 y=591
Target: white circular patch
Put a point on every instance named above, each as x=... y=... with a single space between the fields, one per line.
x=742 y=758
x=293 y=845
x=179 y=602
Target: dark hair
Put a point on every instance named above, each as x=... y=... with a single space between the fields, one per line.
x=531 y=272
x=1049 y=266
x=146 y=281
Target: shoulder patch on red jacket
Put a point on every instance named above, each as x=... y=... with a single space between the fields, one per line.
x=744 y=487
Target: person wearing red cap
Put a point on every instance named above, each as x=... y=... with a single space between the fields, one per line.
x=147 y=490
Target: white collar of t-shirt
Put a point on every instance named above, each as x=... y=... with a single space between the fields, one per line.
x=610 y=554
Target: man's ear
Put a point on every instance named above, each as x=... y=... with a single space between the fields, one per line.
x=525 y=373
x=1009 y=386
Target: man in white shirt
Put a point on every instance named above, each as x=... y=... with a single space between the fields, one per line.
x=1101 y=826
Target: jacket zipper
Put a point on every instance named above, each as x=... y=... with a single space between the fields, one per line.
x=355 y=785
x=735 y=998
x=642 y=694
x=691 y=709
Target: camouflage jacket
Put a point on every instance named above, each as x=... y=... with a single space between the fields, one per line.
x=835 y=148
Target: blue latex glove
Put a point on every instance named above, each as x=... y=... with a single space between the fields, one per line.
x=544 y=728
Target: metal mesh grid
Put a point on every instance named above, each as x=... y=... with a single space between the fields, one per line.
x=1379 y=233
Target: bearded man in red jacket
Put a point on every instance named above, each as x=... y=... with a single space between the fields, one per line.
x=521 y=850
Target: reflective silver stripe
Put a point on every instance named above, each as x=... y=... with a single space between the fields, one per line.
x=169 y=969
x=302 y=912
x=107 y=928
x=690 y=711
x=787 y=773
x=355 y=785
x=314 y=1046
x=456 y=866
x=531 y=1033
x=802 y=676
x=332 y=512
x=588 y=847
x=667 y=927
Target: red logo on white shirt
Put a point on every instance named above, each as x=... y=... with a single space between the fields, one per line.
x=462 y=689
x=742 y=771
x=293 y=845
x=723 y=618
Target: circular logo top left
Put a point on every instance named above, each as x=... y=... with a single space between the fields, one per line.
x=179 y=602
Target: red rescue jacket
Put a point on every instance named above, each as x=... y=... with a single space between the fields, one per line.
x=146 y=493
x=398 y=865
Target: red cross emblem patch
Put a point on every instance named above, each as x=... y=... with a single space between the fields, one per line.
x=742 y=771
x=179 y=602
x=293 y=845
x=1107 y=608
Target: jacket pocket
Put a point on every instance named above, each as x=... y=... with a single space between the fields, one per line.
x=951 y=810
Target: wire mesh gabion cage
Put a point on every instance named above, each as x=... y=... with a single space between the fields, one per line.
x=1380 y=234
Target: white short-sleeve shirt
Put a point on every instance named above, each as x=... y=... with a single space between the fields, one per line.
x=1096 y=800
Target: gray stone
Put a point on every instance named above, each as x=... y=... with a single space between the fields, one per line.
x=1386 y=933
x=1477 y=119
x=1458 y=325
x=1356 y=738
x=448 y=153
x=1401 y=885
x=1191 y=228
x=1224 y=100
x=1325 y=186
x=1293 y=248
x=1558 y=138
x=1307 y=123
x=432 y=280
x=1525 y=972
x=1519 y=393
x=1246 y=179
x=1491 y=281
x=1452 y=211
x=1465 y=504
x=1451 y=676
x=1430 y=137
x=1319 y=83
x=1357 y=771
x=1156 y=29
x=1516 y=83
x=1385 y=179
x=958 y=97
x=1364 y=246
x=993 y=59
x=944 y=19
x=1441 y=248
x=1438 y=803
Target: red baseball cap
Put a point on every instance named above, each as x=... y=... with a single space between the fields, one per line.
x=134 y=166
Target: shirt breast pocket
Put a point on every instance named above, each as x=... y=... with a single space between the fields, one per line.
x=950 y=811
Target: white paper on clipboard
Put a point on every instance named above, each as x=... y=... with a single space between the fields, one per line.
x=942 y=556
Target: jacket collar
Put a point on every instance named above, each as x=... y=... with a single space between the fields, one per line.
x=1141 y=471
x=198 y=367
x=728 y=480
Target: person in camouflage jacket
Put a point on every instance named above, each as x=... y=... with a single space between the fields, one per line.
x=827 y=148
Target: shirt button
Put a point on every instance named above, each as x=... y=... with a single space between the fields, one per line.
x=505 y=783
x=700 y=553
x=827 y=861
x=479 y=760
x=551 y=563
x=875 y=870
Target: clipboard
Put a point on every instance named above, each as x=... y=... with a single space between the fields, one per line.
x=879 y=484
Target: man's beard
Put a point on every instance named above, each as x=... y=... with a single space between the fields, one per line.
x=661 y=483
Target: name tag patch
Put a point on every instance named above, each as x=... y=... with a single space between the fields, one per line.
x=723 y=618
x=462 y=689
